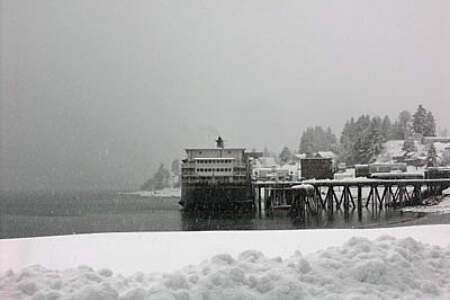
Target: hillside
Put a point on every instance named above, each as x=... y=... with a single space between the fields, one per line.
x=393 y=149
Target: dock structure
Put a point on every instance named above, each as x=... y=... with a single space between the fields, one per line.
x=261 y=190
x=313 y=196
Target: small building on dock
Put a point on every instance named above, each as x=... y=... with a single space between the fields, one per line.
x=317 y=168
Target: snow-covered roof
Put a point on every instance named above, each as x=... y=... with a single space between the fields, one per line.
x=214 y=158
x=442 y=139
x=326 y=154
x=300 y=155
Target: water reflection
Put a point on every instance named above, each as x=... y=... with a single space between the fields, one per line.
x=339 y=218
x=224 y=220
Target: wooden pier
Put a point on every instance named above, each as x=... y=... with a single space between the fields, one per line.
x=313 y=196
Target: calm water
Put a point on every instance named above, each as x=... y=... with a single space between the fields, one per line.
x=43 y=214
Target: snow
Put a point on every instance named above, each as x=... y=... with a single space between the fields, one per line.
x=374 y=266
x=393 y=149
x=166 y=192
x=442 y=208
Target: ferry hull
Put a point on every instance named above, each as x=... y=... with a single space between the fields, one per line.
x=216 y=196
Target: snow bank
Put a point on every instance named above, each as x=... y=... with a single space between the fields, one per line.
x=385 y=268
x=167 y=192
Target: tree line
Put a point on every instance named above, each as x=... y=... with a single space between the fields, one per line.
x=362 y=138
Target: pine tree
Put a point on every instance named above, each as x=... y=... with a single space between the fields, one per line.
x=307 y=141
x=316 y=139
x=432 y=156
x=362 y=150
x=409 y=145
x=386 y=128
x=397 y=131
x=347 y=140
x=419 y=120
x=159 y=180
x=404 y=122
x=285 y=155
x=429 y=125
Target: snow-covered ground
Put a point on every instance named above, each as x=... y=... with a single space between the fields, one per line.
x=364 y=264
x=166 y=192
x=393 y=149
x=442 y=208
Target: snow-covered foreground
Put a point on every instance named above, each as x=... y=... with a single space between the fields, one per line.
x=372 y=265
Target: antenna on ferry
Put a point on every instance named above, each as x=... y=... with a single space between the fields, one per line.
x=219 y=142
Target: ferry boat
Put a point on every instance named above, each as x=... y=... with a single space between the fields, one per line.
x=216 y=178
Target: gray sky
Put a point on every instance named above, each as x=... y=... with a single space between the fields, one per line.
x=94 y=94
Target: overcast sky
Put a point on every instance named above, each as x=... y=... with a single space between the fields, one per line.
x=94 y=94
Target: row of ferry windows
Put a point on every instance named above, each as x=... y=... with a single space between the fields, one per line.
x=215 y=170
x=214 y=161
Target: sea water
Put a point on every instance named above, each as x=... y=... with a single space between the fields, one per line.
x=30 y=214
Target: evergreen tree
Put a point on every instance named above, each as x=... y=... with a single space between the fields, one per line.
x=347 y=141
x=408 y=131
x=159 y=180
x=409 y=145
x=419 y=120
x=307 y=141
x=316 y=139
x=386 y=128
x=285 y=155
x=376 y=137
x=429 y=125
x=400 y=127
x=362 y=148
x=397 y=131
x=432 y=156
